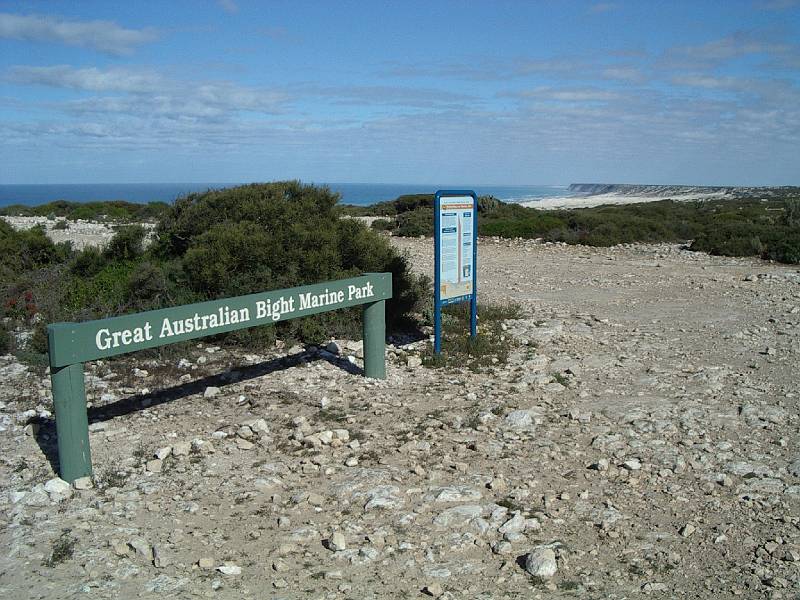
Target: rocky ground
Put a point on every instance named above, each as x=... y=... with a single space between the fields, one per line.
x=79 y=232
x=642 y=440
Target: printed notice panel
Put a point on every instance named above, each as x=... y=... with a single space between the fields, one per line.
x=456 y=271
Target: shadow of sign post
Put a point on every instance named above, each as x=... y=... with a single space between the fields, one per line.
x=72 y=344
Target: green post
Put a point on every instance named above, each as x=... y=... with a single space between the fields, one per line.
x=374 y=323
x=72 y=422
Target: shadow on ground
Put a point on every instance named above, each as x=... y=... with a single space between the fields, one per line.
x=46 y=436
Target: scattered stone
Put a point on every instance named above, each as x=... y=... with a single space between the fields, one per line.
x=455 y=494
x=160 y=559
x=413 y=362
x=58 y=489
x=436 y=475
x=211 y=391
x=279 y=565
x=515 y=524
x=154 y=466
x=121 y=549
x=458 y=516
x=142 y=549
x=502 y=547
x=181 y=449
x=244 y=444
x=337 y=542
x=433 y=589
x=541 y=562
x=519 y=419
x=83 y=483
x=230 y=569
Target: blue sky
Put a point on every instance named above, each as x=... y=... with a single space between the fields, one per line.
x=420 y=92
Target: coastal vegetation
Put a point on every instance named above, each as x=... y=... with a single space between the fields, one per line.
x=259 y=237
x=731 y=227
x=490 y=348
x=208 y=246
x=111 y=210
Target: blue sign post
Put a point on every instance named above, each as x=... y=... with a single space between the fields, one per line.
x=456 y=256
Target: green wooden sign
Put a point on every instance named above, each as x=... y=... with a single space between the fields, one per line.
x=72 y=344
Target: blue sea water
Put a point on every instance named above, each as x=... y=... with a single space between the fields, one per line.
x=362 y=194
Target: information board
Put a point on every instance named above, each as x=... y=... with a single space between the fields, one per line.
x=455 y=240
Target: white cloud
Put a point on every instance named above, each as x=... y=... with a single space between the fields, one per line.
x=777 y=4
x=602 y=7
x=585 y=94
x=624 y=73
x=229 y=6
x=105 y=36
x=384 y=95
x=88 y=79
x=709 y=82
x=733 y=46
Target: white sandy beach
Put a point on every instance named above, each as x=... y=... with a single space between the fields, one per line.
x=592 y=200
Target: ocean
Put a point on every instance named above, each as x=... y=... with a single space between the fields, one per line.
x=361 y=194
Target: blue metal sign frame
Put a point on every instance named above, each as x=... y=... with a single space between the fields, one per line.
x=471 y=297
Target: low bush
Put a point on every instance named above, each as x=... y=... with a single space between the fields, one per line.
x=284 y=234
x=208 y=246
x=784 y=248
x=414 y=223
x=113 y=210
x=489 y=348
x=382 y=225
x=5 y=340
x=741 y=227
x=127 y=243
x=26 y=250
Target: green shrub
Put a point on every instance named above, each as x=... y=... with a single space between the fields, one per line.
x=5 y=340
x=731 y=239
x=103 y=295
x=148 y=285
x=785 y=249
x=115 y=210
x=411 y=202
x=488 y=204
x=490 y=347
x=414 y=223
x=21 y=251
x=791 y=214
x=216 y=245
x=63 y=548
x=88 y=262
x=742 y=227
x=269 y=236
x=127 y=243
x=38 y=341
x=382 y=224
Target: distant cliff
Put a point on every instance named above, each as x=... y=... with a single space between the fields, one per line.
x=667 y=191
